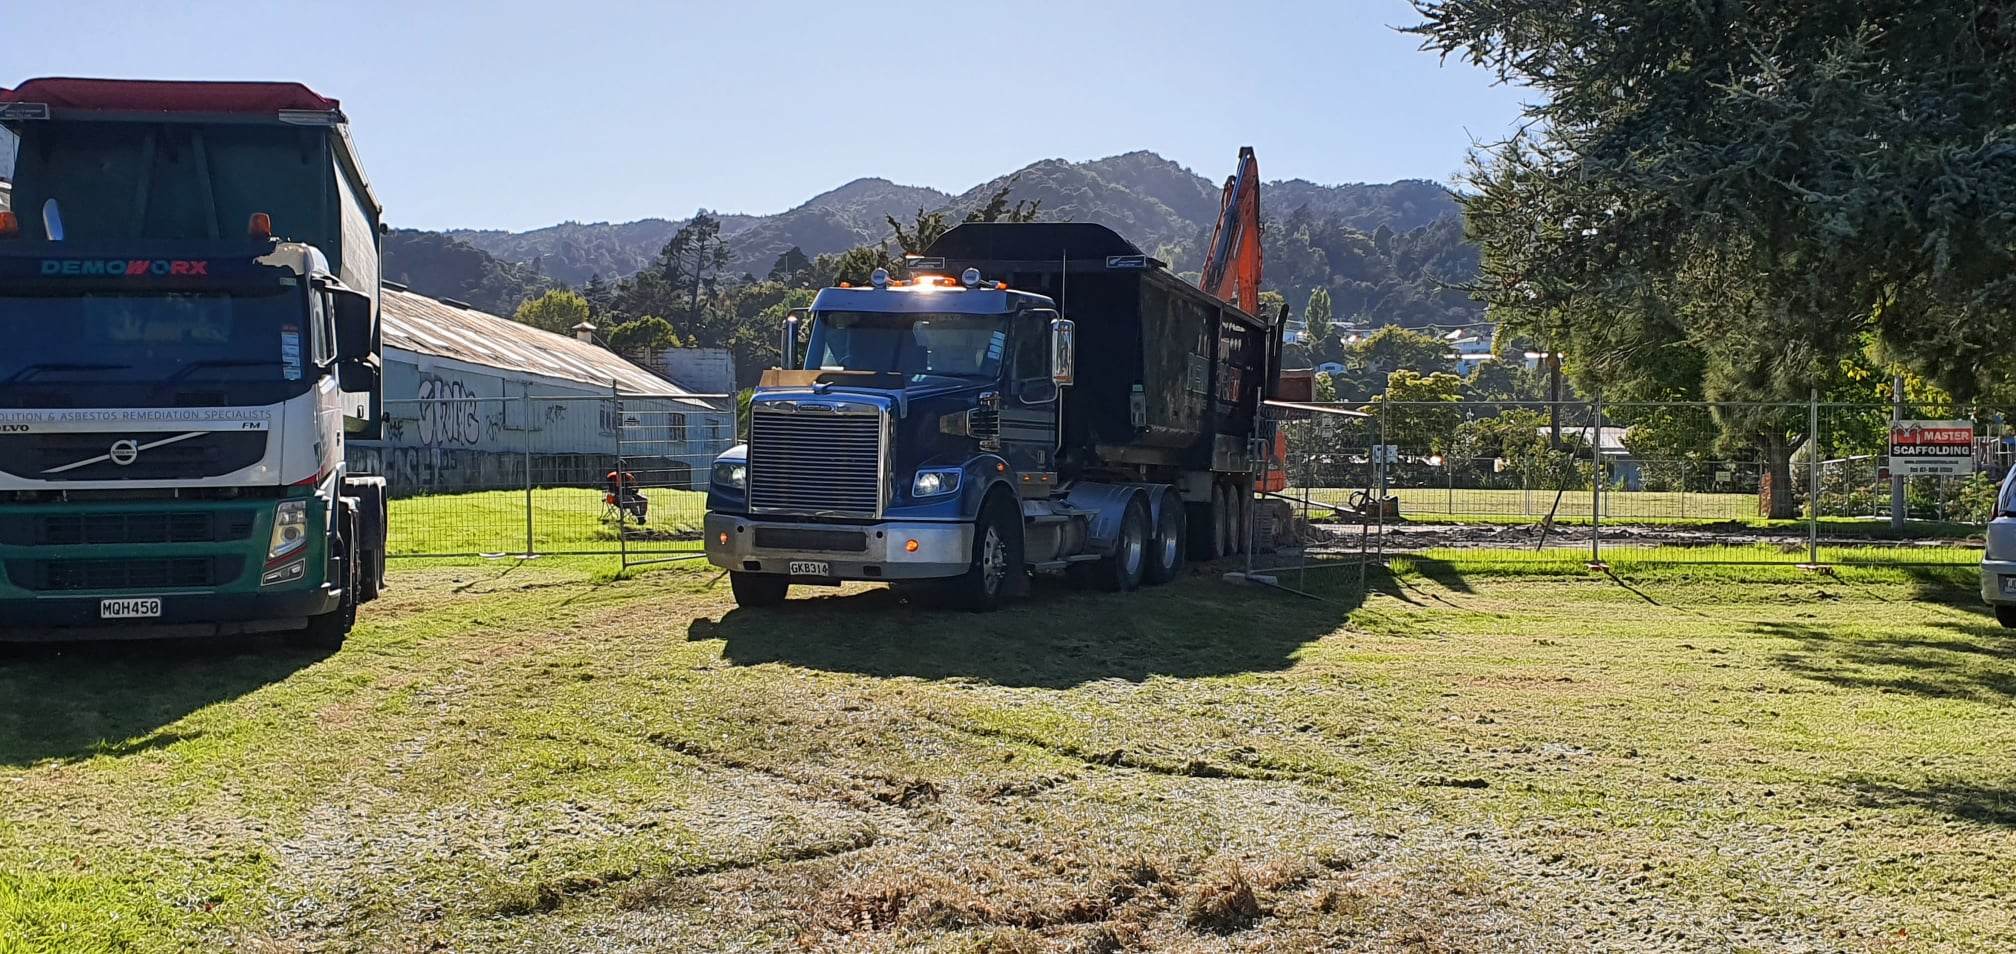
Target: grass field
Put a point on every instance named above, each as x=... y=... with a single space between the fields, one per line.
x=564 y=520
x=1481 y=756
x=1535 y=504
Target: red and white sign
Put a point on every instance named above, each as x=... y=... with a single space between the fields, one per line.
x=1922 y=448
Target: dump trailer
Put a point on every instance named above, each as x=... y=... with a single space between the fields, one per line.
x=189 y=279
x=1063 y=404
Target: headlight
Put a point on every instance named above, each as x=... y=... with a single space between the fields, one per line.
x=290 y=529
x=732 y=474
x=932 y=483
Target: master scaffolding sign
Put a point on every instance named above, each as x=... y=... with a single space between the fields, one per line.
x=1931 y=448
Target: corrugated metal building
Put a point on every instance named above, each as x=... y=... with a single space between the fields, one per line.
x=472 y=400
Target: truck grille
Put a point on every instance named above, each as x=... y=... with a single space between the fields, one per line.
x=73 y=529
x=799 y=538
x=64 y=456
x=811 y=462
x=120 y=575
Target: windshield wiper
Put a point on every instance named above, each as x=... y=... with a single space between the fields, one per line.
x=194 y=366
x=39 y=367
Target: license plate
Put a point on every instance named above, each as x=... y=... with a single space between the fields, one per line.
x=2009 y=586
x=811 y=568
x=128 y=609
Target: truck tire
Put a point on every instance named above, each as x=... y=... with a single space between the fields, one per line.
x=1201 y=523
x=997 y=560
x=372 y=526
x=1238 y=511
x=2006 y=615
x=757 y=590
x=1124 y=569
x=329 y=630
x=1221 y=496
x=1165 y=547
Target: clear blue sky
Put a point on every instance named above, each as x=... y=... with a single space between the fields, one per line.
x=521 y=113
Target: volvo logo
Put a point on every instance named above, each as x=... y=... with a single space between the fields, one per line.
x=124 y=452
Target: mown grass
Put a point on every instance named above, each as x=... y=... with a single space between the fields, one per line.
x=1472 y=755
x=563 y=520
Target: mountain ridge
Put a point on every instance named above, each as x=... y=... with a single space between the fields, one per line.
x=1154 y=201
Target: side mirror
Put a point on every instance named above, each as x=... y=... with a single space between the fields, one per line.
x=354 y=337
x=1063 y=352
x=787 y=346
x=362 y=384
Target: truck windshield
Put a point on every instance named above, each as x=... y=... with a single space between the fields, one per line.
x=919 y=345
x=154 y=349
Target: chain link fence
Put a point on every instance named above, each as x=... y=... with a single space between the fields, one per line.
x=548 y=474
x=1750 y=483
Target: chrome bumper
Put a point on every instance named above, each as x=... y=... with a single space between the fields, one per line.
x=943 y=549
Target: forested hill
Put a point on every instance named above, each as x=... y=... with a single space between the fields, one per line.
x=1387 y=251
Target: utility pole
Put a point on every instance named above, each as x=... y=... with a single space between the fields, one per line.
x=1897 y=506
x=1554 y=401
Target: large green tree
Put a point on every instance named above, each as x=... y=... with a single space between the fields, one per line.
x=1722 y=199
x=556 y=311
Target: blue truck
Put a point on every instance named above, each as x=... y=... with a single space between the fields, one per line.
x=1038 y=397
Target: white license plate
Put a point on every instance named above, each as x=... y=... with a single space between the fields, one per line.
x=811 y=568
x=128 y=609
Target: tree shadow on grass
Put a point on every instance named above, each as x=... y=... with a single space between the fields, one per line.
x=1972 y=664
x=73 y=701
x=1058 y=637
x=1959 y=798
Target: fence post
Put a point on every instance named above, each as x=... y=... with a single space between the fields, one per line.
x=622 y=516
x=1683 y=488
x=525 y=432
x=1813 y=476
x=1596 y=484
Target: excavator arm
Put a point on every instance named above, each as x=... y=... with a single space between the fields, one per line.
x=1232 y=263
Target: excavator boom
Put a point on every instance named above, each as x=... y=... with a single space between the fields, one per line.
x=1232 y=263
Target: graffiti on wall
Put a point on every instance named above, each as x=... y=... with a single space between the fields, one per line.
x=448 y=413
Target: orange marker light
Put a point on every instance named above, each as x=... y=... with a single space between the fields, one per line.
x=260 y=226
x=910 y=546
x=724 y=538
x=9 y=225
x=1000 y=467
x=1000 y=286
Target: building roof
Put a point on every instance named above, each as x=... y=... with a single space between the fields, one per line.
x=417 y=323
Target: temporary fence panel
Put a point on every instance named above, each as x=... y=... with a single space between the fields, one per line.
x=668 y=445
x=531 y=473
x=1597 y=482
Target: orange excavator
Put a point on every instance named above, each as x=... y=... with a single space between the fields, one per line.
x=1232 y=272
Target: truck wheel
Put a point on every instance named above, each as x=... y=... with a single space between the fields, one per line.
x=371 y=526
x=1123 y=570
x=1165 y=548
x=2006 y=615
x=1221 y=497
x=997 y=559
x=328 y=630
x=1238 y=510
x=756 y=590
x=1201 y=523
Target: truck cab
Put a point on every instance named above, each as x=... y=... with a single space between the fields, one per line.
x=189 y=289
x=920 y=407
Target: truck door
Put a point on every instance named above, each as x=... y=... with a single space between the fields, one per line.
x=1029 y=411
